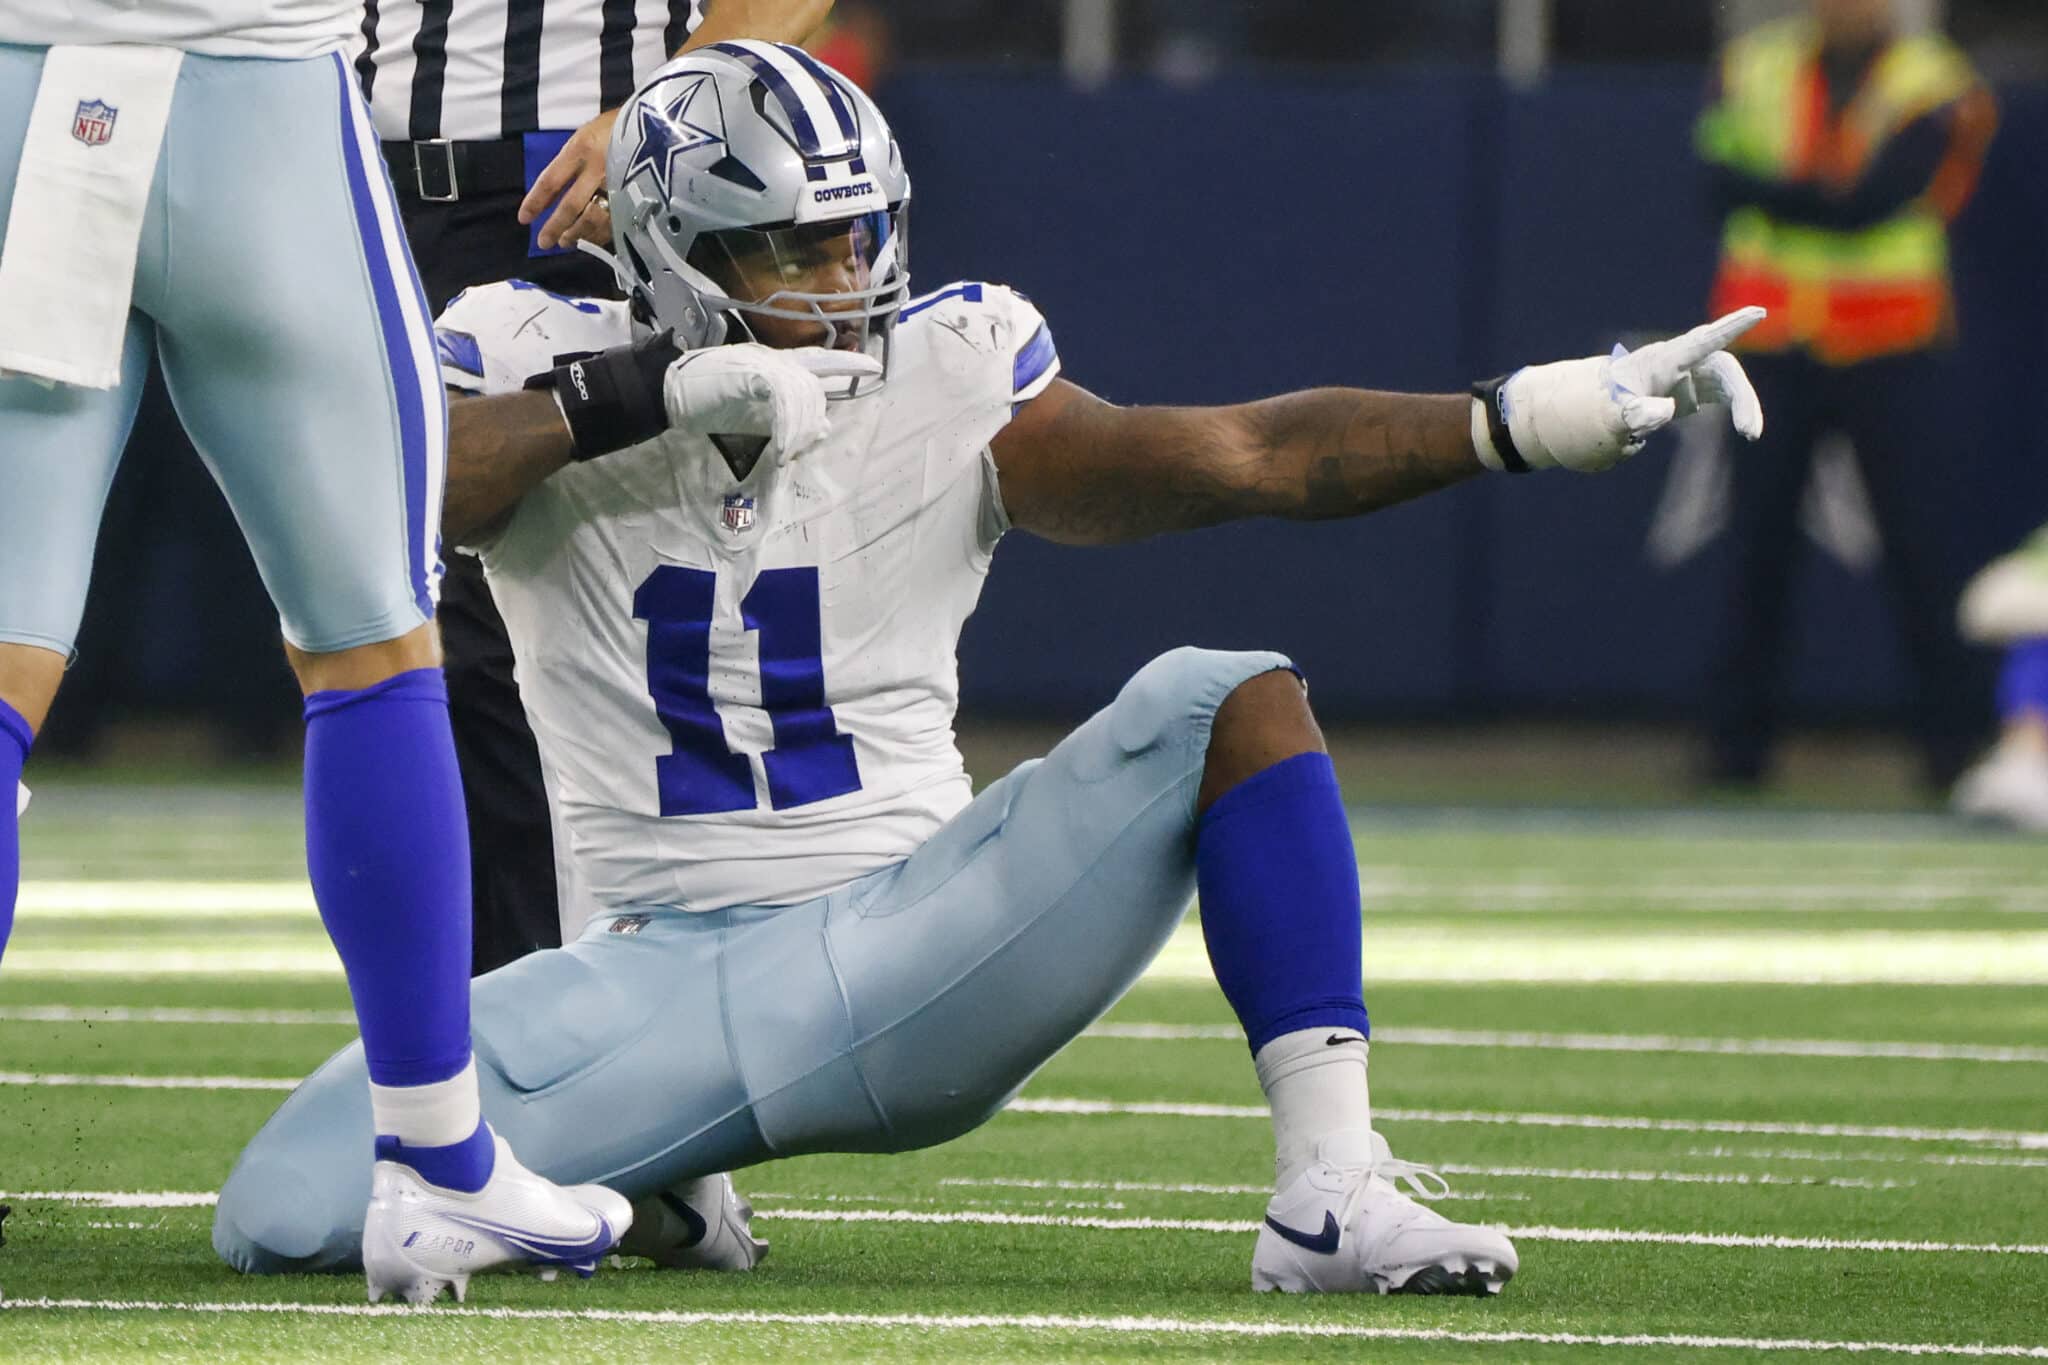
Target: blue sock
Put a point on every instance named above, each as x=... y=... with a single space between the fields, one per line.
x=2023 y=683
x=388 y=851
x=15 y=739
x=1279 y=885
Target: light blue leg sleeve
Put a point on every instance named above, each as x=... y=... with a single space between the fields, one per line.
x=1038 y=907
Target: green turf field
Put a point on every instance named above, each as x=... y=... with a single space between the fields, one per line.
x=1740 y=1084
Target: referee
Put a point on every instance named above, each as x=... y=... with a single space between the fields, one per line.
x=495 y=116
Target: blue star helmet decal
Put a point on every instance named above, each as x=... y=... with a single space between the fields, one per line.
x=667 y=132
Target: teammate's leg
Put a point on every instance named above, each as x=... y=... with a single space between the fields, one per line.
x=591 y=1063
x=329 y=440
x=59 y=447
x=62 y=447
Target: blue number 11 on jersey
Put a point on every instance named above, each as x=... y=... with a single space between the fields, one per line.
x=811 y=760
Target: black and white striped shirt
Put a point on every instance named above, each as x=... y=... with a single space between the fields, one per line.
x=485 y=69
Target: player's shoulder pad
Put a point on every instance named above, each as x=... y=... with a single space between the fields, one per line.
x=491 y=338
x=995 y=321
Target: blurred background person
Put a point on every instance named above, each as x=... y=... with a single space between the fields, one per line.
x=1840 y=150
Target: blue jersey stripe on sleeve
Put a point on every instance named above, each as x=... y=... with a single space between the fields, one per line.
x=970 y=292
x=1034 y=360
x=459 y=350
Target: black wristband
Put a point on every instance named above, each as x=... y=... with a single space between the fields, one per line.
x=612 y=399
x=1487 y=391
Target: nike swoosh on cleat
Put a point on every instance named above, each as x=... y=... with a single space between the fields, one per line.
x=567 y=1253
x=1323 y=1243
x=677 y=1205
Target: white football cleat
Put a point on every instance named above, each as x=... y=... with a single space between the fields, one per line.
x=700 y=1224
x=2009 y=785
x=2007 y=601
x=1343 y=1228
x=419 y=1239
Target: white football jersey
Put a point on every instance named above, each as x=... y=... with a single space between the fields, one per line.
x=220 y=28
x=743 y=690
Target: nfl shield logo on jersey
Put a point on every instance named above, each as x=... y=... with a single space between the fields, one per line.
x=739 y=512
x=93 y=124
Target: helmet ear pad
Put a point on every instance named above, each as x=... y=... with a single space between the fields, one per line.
x=675 y=293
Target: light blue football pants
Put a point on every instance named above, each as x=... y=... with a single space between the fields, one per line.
x=899 y=1011
x=273 y=281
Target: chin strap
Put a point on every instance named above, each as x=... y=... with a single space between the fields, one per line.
x=611 y=262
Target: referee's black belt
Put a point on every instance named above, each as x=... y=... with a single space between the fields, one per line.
x=440 y=172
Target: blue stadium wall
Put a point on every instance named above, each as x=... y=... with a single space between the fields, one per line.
x=1414 y=229
x=1400 y=229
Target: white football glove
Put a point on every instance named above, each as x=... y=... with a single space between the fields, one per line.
x=754 y=390
x=1594 y=413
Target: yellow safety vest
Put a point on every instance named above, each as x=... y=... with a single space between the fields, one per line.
x=1843 y=295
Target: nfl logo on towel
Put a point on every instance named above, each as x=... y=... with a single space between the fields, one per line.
x=739 y=512
x=93 y=124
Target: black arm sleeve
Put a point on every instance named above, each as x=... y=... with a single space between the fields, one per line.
x=612 y=399
x=1900 y=173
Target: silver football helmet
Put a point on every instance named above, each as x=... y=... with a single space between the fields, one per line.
x=758 y=194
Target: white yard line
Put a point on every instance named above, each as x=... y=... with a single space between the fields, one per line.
x=153 y=1014
x=926 y=1199
x=1383 y=888
x=118 y=1199
x=1448 y=890
x=1530 y=1234
x=59 y=1078
x=1609 y=1042
x=41 y=899
x=1928 y=1159
x=1998 y=1137
x=1768 y=952
x=1114 y=1186
x=1622 y=1177
x=1042 y=1322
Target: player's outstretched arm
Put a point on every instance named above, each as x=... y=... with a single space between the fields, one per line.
x=1074 y=468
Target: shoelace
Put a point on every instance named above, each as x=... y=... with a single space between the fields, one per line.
x=1423 y=1180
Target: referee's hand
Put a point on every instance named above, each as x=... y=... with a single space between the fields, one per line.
x=576 y=178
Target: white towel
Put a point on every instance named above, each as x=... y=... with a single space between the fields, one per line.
x=68 y=268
